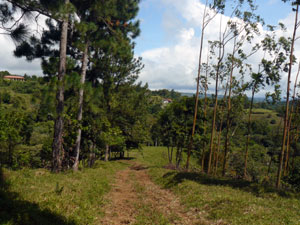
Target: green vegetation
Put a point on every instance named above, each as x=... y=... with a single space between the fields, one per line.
x=223 y=154
x=36 y=196
x=223 y=199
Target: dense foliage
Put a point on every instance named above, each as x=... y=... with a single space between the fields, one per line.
x=89 y=105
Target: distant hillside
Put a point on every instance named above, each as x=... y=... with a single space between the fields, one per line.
x=256 y=99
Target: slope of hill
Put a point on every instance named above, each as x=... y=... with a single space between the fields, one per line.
x=121 y=191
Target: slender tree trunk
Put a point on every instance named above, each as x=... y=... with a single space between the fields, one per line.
x=171 y=160
x=205 y=113
x=106 y=153
x=228 y=112
x=218 y=147
x=287 y=101
x=190 y=146
x=215 y=164
x=178 y=157
x=80 y=105
x=248 y=132
x=92 y=156
x=220 y=58
x=57 y=145
x=169 y=154
x=213 y=124
x=289 y=125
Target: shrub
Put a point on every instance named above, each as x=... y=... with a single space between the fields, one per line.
x=6 y=98
x=294 y=177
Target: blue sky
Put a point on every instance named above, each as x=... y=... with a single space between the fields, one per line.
x=169 y=40
x=151 y=16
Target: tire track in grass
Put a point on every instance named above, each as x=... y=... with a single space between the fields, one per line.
x=135 y=199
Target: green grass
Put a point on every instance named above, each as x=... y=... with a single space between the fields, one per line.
x=264 y=115
x=146 y=213
x=40 y=197
x=158 y=157
x=231 y=201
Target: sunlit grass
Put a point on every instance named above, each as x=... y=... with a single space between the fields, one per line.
x=226 y=200
x=67 y=198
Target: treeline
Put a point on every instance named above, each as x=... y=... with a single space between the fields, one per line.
x=222 y=131
x=88 y=105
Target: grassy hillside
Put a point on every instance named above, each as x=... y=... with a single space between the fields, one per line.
x=270 y=116
x=223 y=200
x=40 y=197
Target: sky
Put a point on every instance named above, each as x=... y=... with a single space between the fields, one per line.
x=169 y=41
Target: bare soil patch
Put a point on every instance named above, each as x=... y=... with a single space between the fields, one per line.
x=133 y=188
x=121 y=199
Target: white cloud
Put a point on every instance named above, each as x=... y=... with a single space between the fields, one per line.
x=16 y=65
x=272 y=2
x=175 y=66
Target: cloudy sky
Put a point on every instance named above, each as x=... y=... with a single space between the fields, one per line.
x=169 y=41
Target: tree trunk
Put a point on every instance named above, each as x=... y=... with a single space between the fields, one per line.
x=170 y=154
x=172 y=148
x=227 y=138
x=220 y=58
x=80 y=105
x=92 y=156
x=218 y=148
x=190 y=146
x=287 y=102
x=168 y=147
x=248 y=132
x=178 y=157
x=213 y=124
x=106 y=153
x=289 y=124
x=205 y=112
x=215 y=164
x=57 y=145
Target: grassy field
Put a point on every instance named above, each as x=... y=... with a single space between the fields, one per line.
x=223 y=200
x=39 y=197
x=265 y=115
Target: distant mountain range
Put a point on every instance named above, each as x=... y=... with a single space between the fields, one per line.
x=256 y=99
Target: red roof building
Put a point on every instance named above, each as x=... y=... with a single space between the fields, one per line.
x=14 y=77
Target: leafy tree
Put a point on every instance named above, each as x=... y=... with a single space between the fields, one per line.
x=210 y=11
x=287 y=111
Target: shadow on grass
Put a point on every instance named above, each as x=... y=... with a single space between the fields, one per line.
x=13 y=210
x=124 y=158
x=176 y=178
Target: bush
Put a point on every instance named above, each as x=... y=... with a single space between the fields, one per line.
x=27 y=156
x=273 y=121
x=6 y=98
x=294 y=177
